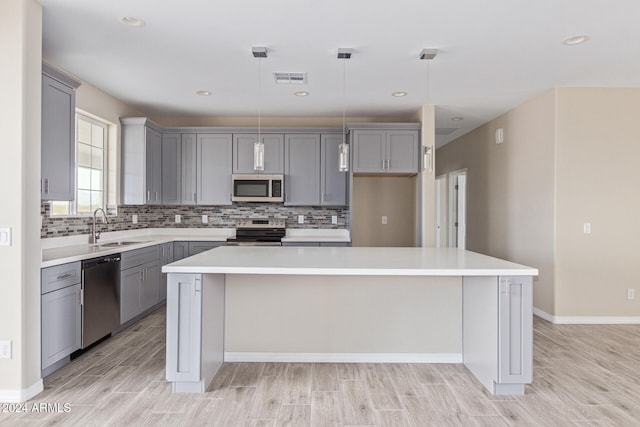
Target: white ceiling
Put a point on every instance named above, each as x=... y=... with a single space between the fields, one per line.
x=492 y=54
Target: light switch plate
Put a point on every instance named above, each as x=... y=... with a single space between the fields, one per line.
x=384 y=220
x=300 y=219
x=5 y=236
x=134 y=218
x=586 y=228
x=178 y=219
x=205 y=219
x=334 y=219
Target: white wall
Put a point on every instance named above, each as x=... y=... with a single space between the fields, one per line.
x=20 y=73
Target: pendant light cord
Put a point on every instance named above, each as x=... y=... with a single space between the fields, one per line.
x=259 y=100
x=344 y=97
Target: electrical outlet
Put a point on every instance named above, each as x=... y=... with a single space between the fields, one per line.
x=178 y=219
x=300 y=219
x=384 y=220
x=5 y=236
x=334 y=219
x=134 y=218
x=5 y=349
x=586 y=228
x=205 y=219
x=631 y=293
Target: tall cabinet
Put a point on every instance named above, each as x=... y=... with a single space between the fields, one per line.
x=141 y=162
x=58 y=176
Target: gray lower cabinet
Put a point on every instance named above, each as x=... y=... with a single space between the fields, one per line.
x=180 y=250
x=166 y=257
x=61 y=312
x=243 y=153
x=213 y=169
x=171 y=169
x=302 y=170
x=198 y=247
x=58 y=136
x=139 y=281
x=141 y=162
x=385 y=151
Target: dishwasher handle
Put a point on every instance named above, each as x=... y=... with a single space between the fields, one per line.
x=102 y=260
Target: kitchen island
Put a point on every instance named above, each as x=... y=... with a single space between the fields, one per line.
x=318 y=304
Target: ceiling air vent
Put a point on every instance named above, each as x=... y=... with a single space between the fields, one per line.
x=445 y=131
x=290 y=78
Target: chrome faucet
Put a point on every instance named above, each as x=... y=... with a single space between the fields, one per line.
x=95 y=235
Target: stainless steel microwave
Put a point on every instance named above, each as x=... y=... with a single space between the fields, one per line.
x=257 y=188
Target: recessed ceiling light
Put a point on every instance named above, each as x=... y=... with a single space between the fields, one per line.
x=572 y=41
x=457 y=119
x=399 y=94
x=301 y=93
x=203 y=93
x=132 y=21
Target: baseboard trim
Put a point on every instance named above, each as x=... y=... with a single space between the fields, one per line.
x=586 y=320
x=18 y=396
x=344 y=357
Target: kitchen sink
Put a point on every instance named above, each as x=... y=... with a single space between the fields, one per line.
x=116 y=244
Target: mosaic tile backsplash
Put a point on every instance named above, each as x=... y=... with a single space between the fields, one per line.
x=191 y=217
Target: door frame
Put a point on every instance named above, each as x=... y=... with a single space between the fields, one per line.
x=452 y=217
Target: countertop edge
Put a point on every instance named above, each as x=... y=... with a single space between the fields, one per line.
x=349 y=271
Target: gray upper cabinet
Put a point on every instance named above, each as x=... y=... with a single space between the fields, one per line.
x=302 y=170
x=141 y=162
x=188 y=167
x=243 y=153
x=369 y=148
x=171 y=169
x=385 y=150
x=402 y=151
x=333 y=183
x=214 y=160
x=58 y=135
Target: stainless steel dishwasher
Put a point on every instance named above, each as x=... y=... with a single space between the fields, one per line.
x=100 y=298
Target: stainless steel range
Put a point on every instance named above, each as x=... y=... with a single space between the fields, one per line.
x=258 y=232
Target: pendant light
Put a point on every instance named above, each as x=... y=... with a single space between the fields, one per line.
x=427 y=150
x=258 y=146
x=343 y=149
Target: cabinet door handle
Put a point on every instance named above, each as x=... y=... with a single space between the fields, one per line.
x=46 y=186
x=64 y=276
x=194 y=197
x=81 y=296
x=382 y=164
x=156 y=196
x=148 y=195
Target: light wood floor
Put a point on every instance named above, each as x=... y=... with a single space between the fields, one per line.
x=583 y=375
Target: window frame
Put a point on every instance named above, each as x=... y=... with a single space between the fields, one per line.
x=72 y=205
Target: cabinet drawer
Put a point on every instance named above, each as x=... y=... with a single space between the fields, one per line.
x=138 y=257
x=59 y=276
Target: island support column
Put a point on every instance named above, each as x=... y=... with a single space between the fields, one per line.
x=497 y=331
x=195 y=330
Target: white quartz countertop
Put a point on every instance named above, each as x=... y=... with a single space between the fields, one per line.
x=62 y=250
x=347 y=261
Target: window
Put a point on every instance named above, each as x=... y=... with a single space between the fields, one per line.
x=91 y=146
